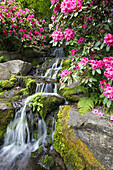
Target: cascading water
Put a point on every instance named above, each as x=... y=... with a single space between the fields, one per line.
x=19 y=140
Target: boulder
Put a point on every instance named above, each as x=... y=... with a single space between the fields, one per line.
x=81 y=141
x=14 y=67
x=97 y=133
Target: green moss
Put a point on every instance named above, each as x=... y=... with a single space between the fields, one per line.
x=6 y=84
x=66 y=63
x=75 y=153
x=22 y=92
x=49 y=104
x=37 y=152
x=47 y=161
x=5 y=117
x=31 y=86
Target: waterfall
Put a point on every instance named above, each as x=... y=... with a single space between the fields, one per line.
x=19 y=141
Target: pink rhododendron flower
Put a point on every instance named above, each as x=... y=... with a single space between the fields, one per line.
x=61 y=82
x=21 y=30
x=103 y=82
x=57 y=35
x=84 y=61
x=42 y=43
x=69 y=34
x=43 y=21
x=35 y=42
x=76 y=67
x=109 y=72
x=80 y=40
x=101 y=31
x=53 y=17
x=65 y=73
x=108 y=39
x=84 y=26
x=95 y=111
x=89 y=19
x=27 y=10
x=54 y=1
x=61 y=107
x=67 y=6
x=100 y=113
x=13 y=19
x=56 y=8
x=96 y=64
x=74 y=51
x=108 y=61
x=111 y=117
x=108 y=92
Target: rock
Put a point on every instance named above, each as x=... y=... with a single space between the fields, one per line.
x=10 y=55
x=97 y=133
x=75 y=152
x=14 y=67
x=6 y=115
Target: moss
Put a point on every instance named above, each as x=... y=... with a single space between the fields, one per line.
x=5 y=117
x=75 y=153
x=6 y=84
x=31 y=86
x=37 y=152
x=49 y=104
x=47 y=161
x=22 y=92
x=66 y=63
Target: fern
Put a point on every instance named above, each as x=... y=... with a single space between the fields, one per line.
x=85 y=104
x=75 y=90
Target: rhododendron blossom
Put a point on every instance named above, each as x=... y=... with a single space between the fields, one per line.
x=108 y=92
x=84 y=61
x=68 y=6
x=53 y=17
x=80 y=40
x=96 y=64
x=108 y=61
x=74 y=51
x=65 y=73
x=108 y=39
x=109 y=72
x=56 y=8
x=69 y=34
x=57 y=35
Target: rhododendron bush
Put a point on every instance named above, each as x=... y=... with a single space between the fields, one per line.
x=86 y=27
x=18 y=26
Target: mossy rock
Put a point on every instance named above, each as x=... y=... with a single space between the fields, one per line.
x=47 y=161
x=6 y=84
x=22 y=92
x=66 y=63
x=6 y=115
x=31 y=86
x=75 y=153
x=50 y=103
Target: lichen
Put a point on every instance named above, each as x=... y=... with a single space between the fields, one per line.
x=75 y=153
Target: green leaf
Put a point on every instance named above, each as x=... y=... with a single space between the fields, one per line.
x=98 y=43
x=102 y=95
x=98 y=71
x=107 y=48
x=109 y=103
x=75 y=14
x=85 y=104
x=105 y=101
x=93 y=72
x=102 y=45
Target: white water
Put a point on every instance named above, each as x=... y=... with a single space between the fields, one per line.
x=19 y=140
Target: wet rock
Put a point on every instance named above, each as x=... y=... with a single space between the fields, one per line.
x=97 y=133
x=6 y=115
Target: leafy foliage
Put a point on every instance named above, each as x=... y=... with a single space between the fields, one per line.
x=85 y=104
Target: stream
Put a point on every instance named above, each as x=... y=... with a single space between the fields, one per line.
x=19 y=139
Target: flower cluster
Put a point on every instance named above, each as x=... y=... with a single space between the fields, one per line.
x=88 y=19
x=95 y=111
x=96 y=64
x=56 y=8
x=108 y=92
x=74 y=51
x=80 y=40
x=84 y=61
x=53 y=18
x=69 y=34
x=19 y=24
x=67 y=6
x=57 y=35
x=65 y=73
x=109 y=73
x=108 y=39
x=107 y=61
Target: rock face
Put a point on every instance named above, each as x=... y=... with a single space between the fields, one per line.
x=74 y=151
x=14 y=67
x=6 y=115
x=97 y=133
